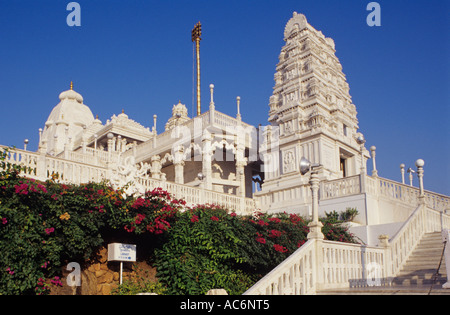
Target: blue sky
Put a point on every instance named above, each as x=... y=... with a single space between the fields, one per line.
x=137 y=56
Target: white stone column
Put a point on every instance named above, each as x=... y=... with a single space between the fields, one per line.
x=156 y=167
x=315 y=227
x=238 y=116
x=178 y=162
x=241 y=162
x=110 y=137
x=402 y=171
x=374 y=171
x=410 y=172
x=155 y=133
x=206 y=160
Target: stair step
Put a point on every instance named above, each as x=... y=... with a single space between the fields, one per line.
x=417 y=276
x=392 y=290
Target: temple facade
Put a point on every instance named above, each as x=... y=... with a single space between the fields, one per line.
x=219 y=159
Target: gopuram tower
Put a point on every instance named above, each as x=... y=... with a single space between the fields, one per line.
x=312 y=116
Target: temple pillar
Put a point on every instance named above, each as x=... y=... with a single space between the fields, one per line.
x=156 y=167
x=241 y=162
x=206 y=160
x=178 y=162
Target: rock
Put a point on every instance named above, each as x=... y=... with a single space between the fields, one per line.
x=100 y=273
x=106 y=278
x=88 y=283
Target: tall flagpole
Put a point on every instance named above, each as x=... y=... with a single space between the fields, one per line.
x=196 y=37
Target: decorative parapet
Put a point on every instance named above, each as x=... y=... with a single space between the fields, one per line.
x=340 y=187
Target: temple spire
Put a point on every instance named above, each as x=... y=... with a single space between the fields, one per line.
x=71 y=85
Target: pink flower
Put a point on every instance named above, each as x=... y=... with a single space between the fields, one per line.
x=49 y=230
x=139 y=218
x=56 y=281
x=275 y=233
x=214 y=218
x=4 y=221
x=42 y=188
x=280 y=248
x=194 y=218
x=260 y=239
x=21 y=189
x=233 y=214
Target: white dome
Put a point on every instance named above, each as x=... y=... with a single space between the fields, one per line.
x=66 y=120
x=71 y=95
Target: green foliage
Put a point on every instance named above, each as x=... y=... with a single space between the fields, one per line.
x=201 y=253
x=133 y=287
x=139 y=283
x=208 y=248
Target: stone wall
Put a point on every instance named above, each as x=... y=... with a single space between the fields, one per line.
x=101 y=277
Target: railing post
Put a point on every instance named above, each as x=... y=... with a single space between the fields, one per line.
x=374 y=171
x=315 y=226
x=383 y=242
x=362 y=183
x=402 y=171
x=41 y=167
x=420 y=163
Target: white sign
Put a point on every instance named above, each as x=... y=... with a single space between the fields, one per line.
x=121 y=252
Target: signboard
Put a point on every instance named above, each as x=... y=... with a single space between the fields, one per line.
x=121 y=252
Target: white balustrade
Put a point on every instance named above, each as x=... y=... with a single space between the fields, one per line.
x=195 y=195
x=331 y=265
x=294 y=276
x=340 y=187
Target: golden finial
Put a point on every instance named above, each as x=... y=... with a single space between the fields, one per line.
x=123 y=112
x=71 y=85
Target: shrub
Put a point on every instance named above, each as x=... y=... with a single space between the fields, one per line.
x=43 y=226
x=201 y=253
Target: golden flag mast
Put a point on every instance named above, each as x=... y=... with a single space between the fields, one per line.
x=197 y=37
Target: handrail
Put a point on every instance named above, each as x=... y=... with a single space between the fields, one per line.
x=293 y=276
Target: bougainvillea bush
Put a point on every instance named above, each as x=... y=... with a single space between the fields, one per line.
x=45 y=225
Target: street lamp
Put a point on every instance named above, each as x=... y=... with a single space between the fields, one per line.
x=361 y=141
x=315 y=226
x=410 y=172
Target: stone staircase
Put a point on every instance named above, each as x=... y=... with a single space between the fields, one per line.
x=418 y=276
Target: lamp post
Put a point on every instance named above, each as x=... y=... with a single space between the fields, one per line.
x=402 y=171
x=361 y=141
x=420 y=163
x=315 y=226
x=410 y=172
x=238 y=116
x=374 y=171
x=25 y=144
